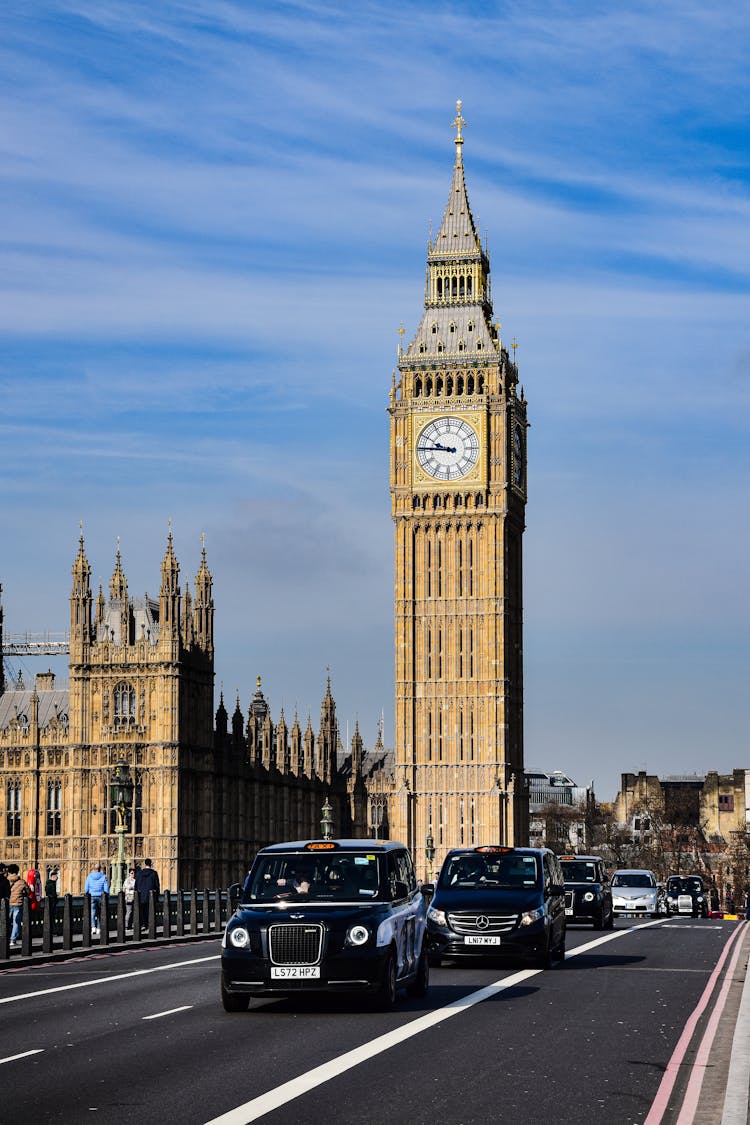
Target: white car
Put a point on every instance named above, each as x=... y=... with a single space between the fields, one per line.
x=634 y=891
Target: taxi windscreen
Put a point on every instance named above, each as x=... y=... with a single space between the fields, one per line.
x=475 y=872
x=578 y=871
x=319 y=877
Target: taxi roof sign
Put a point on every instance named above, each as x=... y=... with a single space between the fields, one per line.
x=495 y=849
x=321 y=846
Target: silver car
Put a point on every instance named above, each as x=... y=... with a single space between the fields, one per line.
x=635 y=891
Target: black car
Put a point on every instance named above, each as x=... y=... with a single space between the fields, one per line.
x=686 y=894
x=588 y=895
x=327 y=915
x=495 y=901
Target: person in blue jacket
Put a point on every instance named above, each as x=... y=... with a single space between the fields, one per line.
x=96 y=886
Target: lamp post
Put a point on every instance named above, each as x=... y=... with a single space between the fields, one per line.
x=121 y=799
x=429 y=852
x=326 y=821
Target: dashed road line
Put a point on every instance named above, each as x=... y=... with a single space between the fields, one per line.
x=23 y=1055
x=169 y=1012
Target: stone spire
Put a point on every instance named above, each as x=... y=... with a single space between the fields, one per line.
x=80 y=601
x=203 y=609
x=169 y=594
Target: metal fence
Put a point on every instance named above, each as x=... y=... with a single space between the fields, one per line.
x=178 y=914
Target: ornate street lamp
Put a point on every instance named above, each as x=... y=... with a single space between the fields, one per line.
x=429 y=852
x=326 y=821
x=121 y=799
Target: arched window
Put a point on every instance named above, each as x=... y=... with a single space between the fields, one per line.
x=461 y=286
x=452 y=327
x=418 y=382
x=460 y=385
x=54 y=808
x=454 y=286
x=470 y=325
x=428 y=385
x=461 y=345
x=439 y=385
x=480 y=384
x=433 y=329
x=440 y=287
x=468 y=286
x=470 y=385
x=440 y=346
x=449 y=385
x=124 y=704
x=13 y=808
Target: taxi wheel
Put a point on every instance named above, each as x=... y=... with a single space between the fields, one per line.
x=598 y=919
x=421 y=982
x=234 y=1001
x=386 y=994
x=611 y=920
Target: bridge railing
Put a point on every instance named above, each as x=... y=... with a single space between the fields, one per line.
x=178 y=914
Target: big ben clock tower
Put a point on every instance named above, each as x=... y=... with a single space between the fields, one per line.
x=458 y=492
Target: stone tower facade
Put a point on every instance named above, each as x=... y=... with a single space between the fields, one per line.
x=458 y=492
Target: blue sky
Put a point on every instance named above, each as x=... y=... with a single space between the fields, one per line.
x=214 y=220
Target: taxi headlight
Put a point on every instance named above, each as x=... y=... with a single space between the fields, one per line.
x=239 y=937
x=532 y=916
x=357 y=934
x=588 y=897
x=437 y=916
x=700 y=898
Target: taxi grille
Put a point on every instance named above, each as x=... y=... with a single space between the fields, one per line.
x=467 y=922
x=295 y=945
x=568 y=900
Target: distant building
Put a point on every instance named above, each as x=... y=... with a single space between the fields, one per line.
x=712 y=804
x=559 y=810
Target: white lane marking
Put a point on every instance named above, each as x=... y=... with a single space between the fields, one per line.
x=107 y=980
x=170 y=1012
x=288 y=1091
x=23 y=1055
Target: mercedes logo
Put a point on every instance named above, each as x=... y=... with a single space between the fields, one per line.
x=483 y=922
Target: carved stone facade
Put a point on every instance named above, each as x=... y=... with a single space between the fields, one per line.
x=207 y=794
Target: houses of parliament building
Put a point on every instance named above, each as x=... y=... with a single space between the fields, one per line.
x=211 y=788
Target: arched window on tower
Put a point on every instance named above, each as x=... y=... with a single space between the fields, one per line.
x=428 y=386
x=439 y=385
x=54 y=807
x=480 y=384
x=460 y=385
x=470 y=385
x=449 y=385
x=13 y=808
x=124 y=704
x=454 y=286
x=468 y=286
x=418 y=382
x=461 y=286
x=440 y=287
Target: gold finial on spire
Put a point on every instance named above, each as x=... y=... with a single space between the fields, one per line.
x=401 y=338
x=514 y=345
x=459 y=122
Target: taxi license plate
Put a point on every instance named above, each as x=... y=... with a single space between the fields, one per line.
x=295 y=972
x=569 y=911
x=481 y=939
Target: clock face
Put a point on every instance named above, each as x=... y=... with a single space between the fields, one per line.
x=448 y=448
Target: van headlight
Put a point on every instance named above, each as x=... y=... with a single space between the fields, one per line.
x=357 y=934
x=532 y=916
x=437 y=916
x=239 y=937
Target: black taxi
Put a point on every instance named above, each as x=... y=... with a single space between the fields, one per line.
x=588 y=895
x=498 y=901
x=327 y=915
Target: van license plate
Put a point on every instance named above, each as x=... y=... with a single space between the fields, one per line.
x=481 y=939
x=295 y=972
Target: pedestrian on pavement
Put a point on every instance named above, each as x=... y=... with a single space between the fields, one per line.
x=50 y=894
x=747 y=903
x=129 y=888
x=19 y=890
x=96 y=886
x=4 y=884
x=146 y=880
x=715 y=905
x=729 y=896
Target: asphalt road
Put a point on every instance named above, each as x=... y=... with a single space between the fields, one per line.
x=141 y=1036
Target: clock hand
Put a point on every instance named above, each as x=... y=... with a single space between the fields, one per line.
x=438 y=448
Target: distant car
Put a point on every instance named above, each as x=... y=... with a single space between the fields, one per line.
x=327 y=915
x=498 y=901
x=686 y=894
x=634 y=891
x=588 y=896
